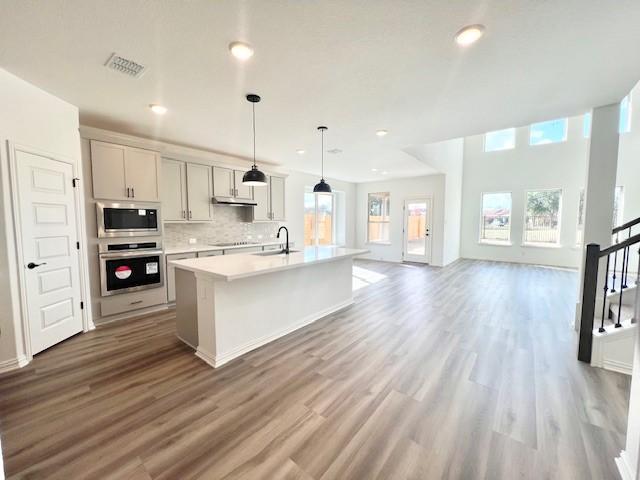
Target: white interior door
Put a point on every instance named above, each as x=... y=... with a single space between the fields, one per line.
x=49 y=253
x=417 y=230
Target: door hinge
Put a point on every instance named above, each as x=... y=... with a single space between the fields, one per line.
x=75 y=182
x=81 y=305
x=78 y=245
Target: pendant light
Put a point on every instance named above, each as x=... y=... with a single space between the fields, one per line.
x=322 y=187
x=254 y=177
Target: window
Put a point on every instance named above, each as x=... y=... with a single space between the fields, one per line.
x=552 y=131
x=500 y=140
x=625 y=115
x=319 y=225
x=378 y=221
x=542 y=217
x=618 y=205
x=495 y=224
x=586 y=125
x=580 y=232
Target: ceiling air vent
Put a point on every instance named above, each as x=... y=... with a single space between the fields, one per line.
x=124 y=65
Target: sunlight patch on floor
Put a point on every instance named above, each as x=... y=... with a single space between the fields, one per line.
x=363 y=277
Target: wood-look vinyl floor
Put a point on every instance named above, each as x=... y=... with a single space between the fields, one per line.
x=465 y=372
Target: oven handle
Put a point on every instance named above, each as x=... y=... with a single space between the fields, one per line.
x=137 y=253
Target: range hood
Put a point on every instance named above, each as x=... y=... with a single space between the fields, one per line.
x=234 y=202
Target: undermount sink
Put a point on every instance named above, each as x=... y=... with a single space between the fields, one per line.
x=273 y=252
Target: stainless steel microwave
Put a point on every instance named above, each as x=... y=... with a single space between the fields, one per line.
x=128 y=219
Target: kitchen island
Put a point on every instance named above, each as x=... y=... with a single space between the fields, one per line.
x=229 y=305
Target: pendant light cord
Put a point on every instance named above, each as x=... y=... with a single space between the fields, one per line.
x=322 y=155
x=253 y=105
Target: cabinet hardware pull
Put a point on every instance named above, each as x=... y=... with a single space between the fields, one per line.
x=128 y=196
x=134 y=303
x=133 y=194
x=184 y=214
x=190 y=214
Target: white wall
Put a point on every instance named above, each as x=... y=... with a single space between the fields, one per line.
x=447 y=157
x=297 y=184
x=401 y=189
x=558 y=165
x=33 y=118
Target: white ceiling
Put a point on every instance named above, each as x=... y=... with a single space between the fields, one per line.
x=356 y=66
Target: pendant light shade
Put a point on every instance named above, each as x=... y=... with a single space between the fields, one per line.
x=322 y=186
x=254 y=177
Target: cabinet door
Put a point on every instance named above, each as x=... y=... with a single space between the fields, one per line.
x=210 y=253
x=262 y=210
x=141 y=174
x=171 y=273
x=277 y=198
x=198 y=192
x=107 y=166
x=242 y=191
x=222 y=182
x=173 y=190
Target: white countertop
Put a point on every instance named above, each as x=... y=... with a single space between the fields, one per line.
x=244 y=265
x=171 y=249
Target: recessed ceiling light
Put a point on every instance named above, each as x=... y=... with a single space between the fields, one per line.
x=384 y=173
x=158 y=109
x=469 y=34
x=300 y=151
x=374 y=169
x=240 y=50
x=381 y=133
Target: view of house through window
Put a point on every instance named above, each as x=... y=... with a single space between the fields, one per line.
x=319 y=224
x=542 y=217
x=378 y=221
x=495 y=224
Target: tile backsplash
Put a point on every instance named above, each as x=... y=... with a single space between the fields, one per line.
x=229 y=224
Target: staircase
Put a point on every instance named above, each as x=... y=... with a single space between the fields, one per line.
x=607 y=323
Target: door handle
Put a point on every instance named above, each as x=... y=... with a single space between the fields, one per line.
x=32 y=265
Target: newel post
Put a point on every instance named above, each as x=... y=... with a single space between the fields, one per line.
x=588 y=302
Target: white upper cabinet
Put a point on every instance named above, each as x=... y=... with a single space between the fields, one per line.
x=186 y=191
x=242 y=191
x=124 y=173
x=223 y=182
x=199 y=192
x=173 y=190
x=277 y=198
x=107 y=166
x=270 y=201
x=262 y=210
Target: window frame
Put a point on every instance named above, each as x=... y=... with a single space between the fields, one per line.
x=369 y=222
x=629 y=115
x=557 y=244
x=484 y=140
x=315 y=219
x=564 y=138
x=499 y=243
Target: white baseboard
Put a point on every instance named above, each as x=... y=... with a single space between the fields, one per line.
x=13 y=363
x=626 y=470
x=219 y=360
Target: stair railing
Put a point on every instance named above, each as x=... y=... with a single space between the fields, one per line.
x=590 y=285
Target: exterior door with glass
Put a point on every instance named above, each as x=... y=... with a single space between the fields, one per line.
x=417 y=230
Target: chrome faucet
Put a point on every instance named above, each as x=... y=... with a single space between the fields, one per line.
x=286 y=248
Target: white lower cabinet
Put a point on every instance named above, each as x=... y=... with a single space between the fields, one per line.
x=127 y=302
x=234 y=251
x=210 y=253
x=171 y=273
